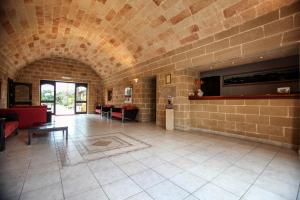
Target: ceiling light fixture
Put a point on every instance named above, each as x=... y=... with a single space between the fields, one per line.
x=136 y=80
x=66 y=77
x=261 y=57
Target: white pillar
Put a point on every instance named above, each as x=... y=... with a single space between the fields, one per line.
x=170 y=119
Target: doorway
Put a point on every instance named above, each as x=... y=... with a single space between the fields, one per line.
x=64 y=98
x=152 y=96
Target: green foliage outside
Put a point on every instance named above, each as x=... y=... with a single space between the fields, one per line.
x=65 y=99
x=62 y=98
x=47 y=95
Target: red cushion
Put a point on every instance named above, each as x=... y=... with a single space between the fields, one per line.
x=28 y=116
x=98 y=111
x=116 y=114
x=10 y=127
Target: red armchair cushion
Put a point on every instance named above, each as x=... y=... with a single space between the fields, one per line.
x=116 y=114
x=98 y=111
x=10 y=127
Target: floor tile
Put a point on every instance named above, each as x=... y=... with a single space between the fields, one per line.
x=213 y=192
x=168 y=156
x=138 y=155
x=51 y=192
x=78 y=185
x=191 y=197
x=121 y=189
x=188 y=181
x=252 y=163
x=210 y=169
x=147 y=179
x=122 y=159
x=183 y=163
x=152 y=161
x=167 y=191
x=11 y=187
x=198 y=158
x=110 y=175
x=167 y=170
x=286 y=190
x=256 y=193
x=74 y=171
x=99 y=165
x=286 y=175
x=133 y=168
x=232 y=185
x=96 y=194
x=14 y=197
x=13 y=174
x=37 y=181
x=140 y=196
x=241 y=174
x=42 y=168
x=236 y=180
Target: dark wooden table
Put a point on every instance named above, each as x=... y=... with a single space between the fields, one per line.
x=46 y=128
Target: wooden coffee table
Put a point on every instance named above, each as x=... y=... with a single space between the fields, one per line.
x=46 y=128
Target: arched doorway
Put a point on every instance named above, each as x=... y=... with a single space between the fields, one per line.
x=64 y=98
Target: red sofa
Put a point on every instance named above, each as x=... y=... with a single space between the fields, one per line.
x=127 y=112
x=9 y=124
x=28 y=115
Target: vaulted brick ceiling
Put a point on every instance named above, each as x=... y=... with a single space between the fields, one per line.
x=112 y=35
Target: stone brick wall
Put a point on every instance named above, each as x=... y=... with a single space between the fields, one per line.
x=268 y=119
x=56 y=68
x=272 y=35
x=3 y=79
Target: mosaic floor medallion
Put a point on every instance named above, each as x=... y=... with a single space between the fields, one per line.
x=101 y=146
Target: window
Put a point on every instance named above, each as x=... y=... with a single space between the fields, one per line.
x=48 y=95
x=81 y=98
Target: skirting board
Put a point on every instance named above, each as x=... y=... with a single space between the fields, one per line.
x=264 y=141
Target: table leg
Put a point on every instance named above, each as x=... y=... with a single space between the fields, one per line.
x=29 y=137
x=66 y=133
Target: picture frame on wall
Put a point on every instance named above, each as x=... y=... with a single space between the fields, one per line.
x=168 y=79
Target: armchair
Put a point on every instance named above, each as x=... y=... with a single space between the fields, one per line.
x=8 y=125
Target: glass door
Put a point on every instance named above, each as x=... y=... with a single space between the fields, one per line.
x=65 y=98
x=81 y=98
x=47 y=96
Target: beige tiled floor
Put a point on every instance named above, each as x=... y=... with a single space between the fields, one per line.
x=178 y=165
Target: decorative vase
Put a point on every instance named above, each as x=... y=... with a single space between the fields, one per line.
x=200 y=93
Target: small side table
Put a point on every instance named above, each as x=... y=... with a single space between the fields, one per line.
x=46 y=128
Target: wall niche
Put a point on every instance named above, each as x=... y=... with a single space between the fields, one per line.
x=253 y=79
